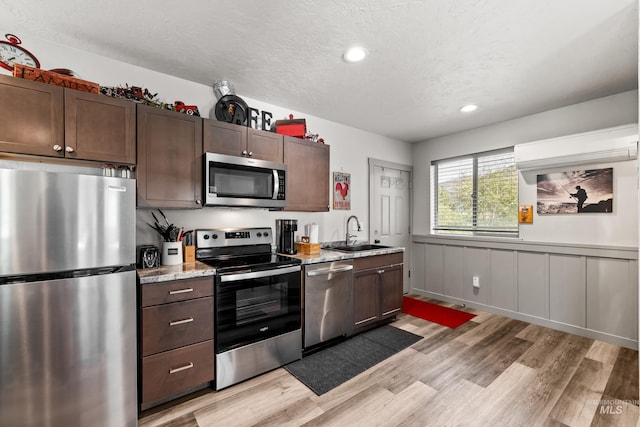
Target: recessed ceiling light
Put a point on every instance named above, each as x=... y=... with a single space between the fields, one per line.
x=355 y=54
x=468 y=108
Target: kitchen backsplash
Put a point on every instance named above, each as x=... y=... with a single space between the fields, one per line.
x=331 y=224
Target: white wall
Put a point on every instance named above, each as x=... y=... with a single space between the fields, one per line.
x=350 y=147
x=619 y=228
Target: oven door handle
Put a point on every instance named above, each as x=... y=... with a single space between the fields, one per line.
x=258 y=274
x=327 y=271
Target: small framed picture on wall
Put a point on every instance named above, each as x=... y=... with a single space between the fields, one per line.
x=341 y=191
x=525 y=214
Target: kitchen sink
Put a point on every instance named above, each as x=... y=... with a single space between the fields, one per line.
x=358 y=248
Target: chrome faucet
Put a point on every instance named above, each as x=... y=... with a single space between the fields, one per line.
x=349 y=236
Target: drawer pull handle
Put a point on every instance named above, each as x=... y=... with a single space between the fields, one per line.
x=180 y=322
x=181 y=368
x=181 y=291
x=366 y=320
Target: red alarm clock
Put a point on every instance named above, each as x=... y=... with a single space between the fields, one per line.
x=11 y=53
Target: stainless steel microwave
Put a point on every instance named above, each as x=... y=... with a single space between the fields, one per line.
x=244 y=182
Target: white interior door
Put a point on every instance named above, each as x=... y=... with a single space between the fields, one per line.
x=390 y=208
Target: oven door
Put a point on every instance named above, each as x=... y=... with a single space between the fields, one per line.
x=254 y=306
x=239 y=181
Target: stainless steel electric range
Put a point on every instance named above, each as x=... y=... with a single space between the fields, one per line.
x=257 y=318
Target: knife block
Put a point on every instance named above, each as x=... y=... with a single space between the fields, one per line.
x=189 y=253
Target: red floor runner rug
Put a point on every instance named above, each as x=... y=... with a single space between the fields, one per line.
x=435 y=313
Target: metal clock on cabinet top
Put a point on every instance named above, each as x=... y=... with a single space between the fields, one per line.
x=12 y=53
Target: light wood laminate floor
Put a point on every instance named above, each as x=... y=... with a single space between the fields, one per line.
x=491 y=371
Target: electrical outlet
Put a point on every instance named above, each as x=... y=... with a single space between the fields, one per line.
x=476 y=282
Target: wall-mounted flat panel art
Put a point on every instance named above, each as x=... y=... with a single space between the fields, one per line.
x=525 y=214
x=341 y=190
x=583 y=191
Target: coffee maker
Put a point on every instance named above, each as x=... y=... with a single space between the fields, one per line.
x=285 y=235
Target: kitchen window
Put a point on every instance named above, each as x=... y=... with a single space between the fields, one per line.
x=476 y=194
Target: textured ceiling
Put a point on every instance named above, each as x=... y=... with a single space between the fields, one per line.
x=427 y=58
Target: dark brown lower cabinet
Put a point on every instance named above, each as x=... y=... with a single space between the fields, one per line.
x=366 y=297
x=377 y=288
x=171 y=372
x=169 y=326
x=176 y=339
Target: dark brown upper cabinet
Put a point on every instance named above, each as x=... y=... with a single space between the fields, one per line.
x=307 y=175
x=99 y=127
x=47 y=120
x=32 y=117
x=237 y=140
x=169 y=170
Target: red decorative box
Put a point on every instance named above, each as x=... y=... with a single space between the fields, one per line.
x=292 y=127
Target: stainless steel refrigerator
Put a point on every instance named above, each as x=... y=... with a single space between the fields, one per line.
x=67 y=300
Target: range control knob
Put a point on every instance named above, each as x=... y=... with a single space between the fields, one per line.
x=215 y=236
x=259 y=234
x=266 y=234
x=205 y=237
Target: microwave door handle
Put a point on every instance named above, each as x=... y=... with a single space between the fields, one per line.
x=276 y=185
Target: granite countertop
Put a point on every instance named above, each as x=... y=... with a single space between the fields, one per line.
x=328 y=254
x=190 y=270
x=164 y=273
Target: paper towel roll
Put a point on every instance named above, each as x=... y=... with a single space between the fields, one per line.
x=313 y=233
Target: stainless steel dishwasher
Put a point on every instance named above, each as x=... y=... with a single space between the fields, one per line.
x=327 y=301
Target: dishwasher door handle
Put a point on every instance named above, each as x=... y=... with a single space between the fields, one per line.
x=327 y=271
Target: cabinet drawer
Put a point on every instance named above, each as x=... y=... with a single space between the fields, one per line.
x=176 y=290
x=377 y=261
x=173 y=371
x=169 y=326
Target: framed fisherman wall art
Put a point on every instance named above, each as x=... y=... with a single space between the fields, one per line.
x=583 y=191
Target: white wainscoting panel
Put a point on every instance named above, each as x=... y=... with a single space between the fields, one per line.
x=588 y=290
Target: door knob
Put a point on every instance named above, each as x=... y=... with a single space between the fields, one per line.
x=244 y=152
x=57 y=148
x=250 y=153
x=376 y=241
x=69 y=150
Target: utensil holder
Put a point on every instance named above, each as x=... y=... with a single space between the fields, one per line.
x=171 y=253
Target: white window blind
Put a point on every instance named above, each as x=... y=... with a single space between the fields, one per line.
x=477 y=194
